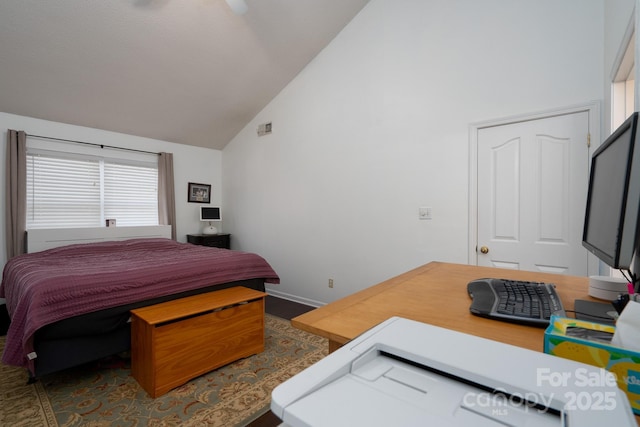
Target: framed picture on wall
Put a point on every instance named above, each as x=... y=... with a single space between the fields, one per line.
x=199 y=193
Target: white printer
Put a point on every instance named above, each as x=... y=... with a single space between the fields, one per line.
x=407 y=373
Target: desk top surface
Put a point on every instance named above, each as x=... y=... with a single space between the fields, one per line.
x=435 y=293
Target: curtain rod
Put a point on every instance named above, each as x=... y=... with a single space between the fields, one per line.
x=91 y=143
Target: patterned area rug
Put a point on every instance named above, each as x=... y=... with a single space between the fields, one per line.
x=105 y=394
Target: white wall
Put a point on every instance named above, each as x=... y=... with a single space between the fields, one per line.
x=191 y=164
x=378 y=125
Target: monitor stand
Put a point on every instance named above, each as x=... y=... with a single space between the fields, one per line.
x=592 y=311
x=209 y=229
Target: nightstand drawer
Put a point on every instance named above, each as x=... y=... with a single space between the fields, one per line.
x=222 y=240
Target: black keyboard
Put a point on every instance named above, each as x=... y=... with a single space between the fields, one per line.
x=515 y=301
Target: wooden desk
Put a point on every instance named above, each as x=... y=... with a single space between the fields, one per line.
x=435 y=293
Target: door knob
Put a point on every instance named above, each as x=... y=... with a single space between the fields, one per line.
x=484 y=250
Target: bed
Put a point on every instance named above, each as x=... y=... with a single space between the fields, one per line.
x=70 y=304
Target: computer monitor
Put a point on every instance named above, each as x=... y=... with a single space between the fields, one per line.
x=210 y=214
x=612 y=218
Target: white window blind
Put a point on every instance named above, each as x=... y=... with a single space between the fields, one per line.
x=131 y=194
x=71 y=191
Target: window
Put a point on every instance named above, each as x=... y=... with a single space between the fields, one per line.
x=623 y=91
x=66 y=190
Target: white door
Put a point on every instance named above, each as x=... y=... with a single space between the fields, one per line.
x=532 y=181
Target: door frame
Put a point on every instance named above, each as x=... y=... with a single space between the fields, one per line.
x=593 y=110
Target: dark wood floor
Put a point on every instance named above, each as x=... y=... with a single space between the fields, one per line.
x=287 y=310
x=284 y=308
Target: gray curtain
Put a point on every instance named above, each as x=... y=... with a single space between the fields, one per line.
x=166 y=193
x=15 y=191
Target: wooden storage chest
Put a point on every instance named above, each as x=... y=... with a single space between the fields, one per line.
x=176 y=341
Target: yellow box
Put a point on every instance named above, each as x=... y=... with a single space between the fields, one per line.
x=623 y=363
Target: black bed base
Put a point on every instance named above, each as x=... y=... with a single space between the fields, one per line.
x=4 y=319
x=57 y=355
x=93 y=336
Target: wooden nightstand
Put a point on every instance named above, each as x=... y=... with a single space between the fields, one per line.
x=222 y=240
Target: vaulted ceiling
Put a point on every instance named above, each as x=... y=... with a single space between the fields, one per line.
x=186 y=71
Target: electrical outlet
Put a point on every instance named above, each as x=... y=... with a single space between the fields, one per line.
x=264 y=129
x=331 y=283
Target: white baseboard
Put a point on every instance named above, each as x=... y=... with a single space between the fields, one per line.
x=294 y=298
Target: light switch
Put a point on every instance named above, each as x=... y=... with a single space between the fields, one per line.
x=425 y=213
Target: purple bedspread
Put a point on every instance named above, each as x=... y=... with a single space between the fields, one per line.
x=44 y=287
